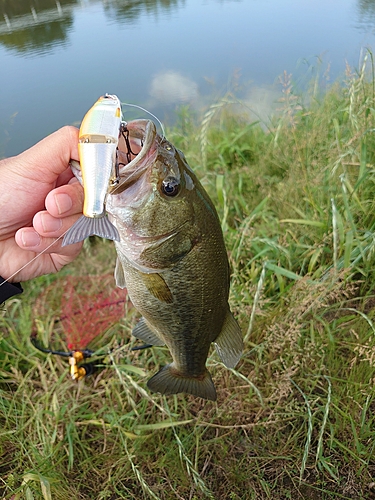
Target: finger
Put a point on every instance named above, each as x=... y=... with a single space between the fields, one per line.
x=53 y=227
x=65 y=177
x=65 y=200
x=50 y=156
x=29 y=239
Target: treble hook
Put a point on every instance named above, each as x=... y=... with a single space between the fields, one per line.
x=125 y=134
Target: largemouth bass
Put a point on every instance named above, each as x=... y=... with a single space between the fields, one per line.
x=173 y=261
x=97 y=147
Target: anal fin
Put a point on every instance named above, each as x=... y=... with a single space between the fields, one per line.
x=229 y=343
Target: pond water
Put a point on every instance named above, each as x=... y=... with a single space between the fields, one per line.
x=58 y=56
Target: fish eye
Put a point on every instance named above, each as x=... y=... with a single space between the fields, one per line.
x=170 y=186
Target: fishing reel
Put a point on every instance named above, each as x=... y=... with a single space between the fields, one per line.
x=79 y=371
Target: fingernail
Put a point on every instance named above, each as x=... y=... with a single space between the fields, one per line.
x=63 y=202
x=50 y=224
x=30 y=239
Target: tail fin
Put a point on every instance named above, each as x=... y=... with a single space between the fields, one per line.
x=169 y=381
x=88 y=226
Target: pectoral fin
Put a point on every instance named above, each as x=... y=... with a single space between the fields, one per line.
x=119 y=274
x=229 y=343
x=143 y=331
x=157 y=286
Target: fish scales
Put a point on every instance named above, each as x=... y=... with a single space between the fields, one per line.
x=173 y=261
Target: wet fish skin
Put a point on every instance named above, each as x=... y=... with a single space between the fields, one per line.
x=173 y=261
x=98 y=139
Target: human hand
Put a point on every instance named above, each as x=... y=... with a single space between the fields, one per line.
x=39 y=199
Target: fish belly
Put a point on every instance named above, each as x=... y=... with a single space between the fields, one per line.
x=186 y=325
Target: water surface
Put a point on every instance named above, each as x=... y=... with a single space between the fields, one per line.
x=57 y=57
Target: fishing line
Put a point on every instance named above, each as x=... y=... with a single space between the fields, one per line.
x=49 y=246
x=32 y=260
x=146 y=111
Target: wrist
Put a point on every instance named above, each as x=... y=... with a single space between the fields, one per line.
x=8 y=290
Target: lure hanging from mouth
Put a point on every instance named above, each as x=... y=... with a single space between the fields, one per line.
x=97 y=147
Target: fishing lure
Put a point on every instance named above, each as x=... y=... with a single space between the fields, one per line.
x=97 y=147
x=98 y=168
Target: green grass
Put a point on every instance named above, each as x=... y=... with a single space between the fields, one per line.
x=295 y=419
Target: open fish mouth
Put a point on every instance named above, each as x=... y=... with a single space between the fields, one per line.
x=137 y=146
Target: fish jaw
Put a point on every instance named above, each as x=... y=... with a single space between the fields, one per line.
x=141 y=150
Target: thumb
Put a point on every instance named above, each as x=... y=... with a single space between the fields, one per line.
x=50 y=157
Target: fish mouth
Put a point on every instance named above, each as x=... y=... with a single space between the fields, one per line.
x=137 y=147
